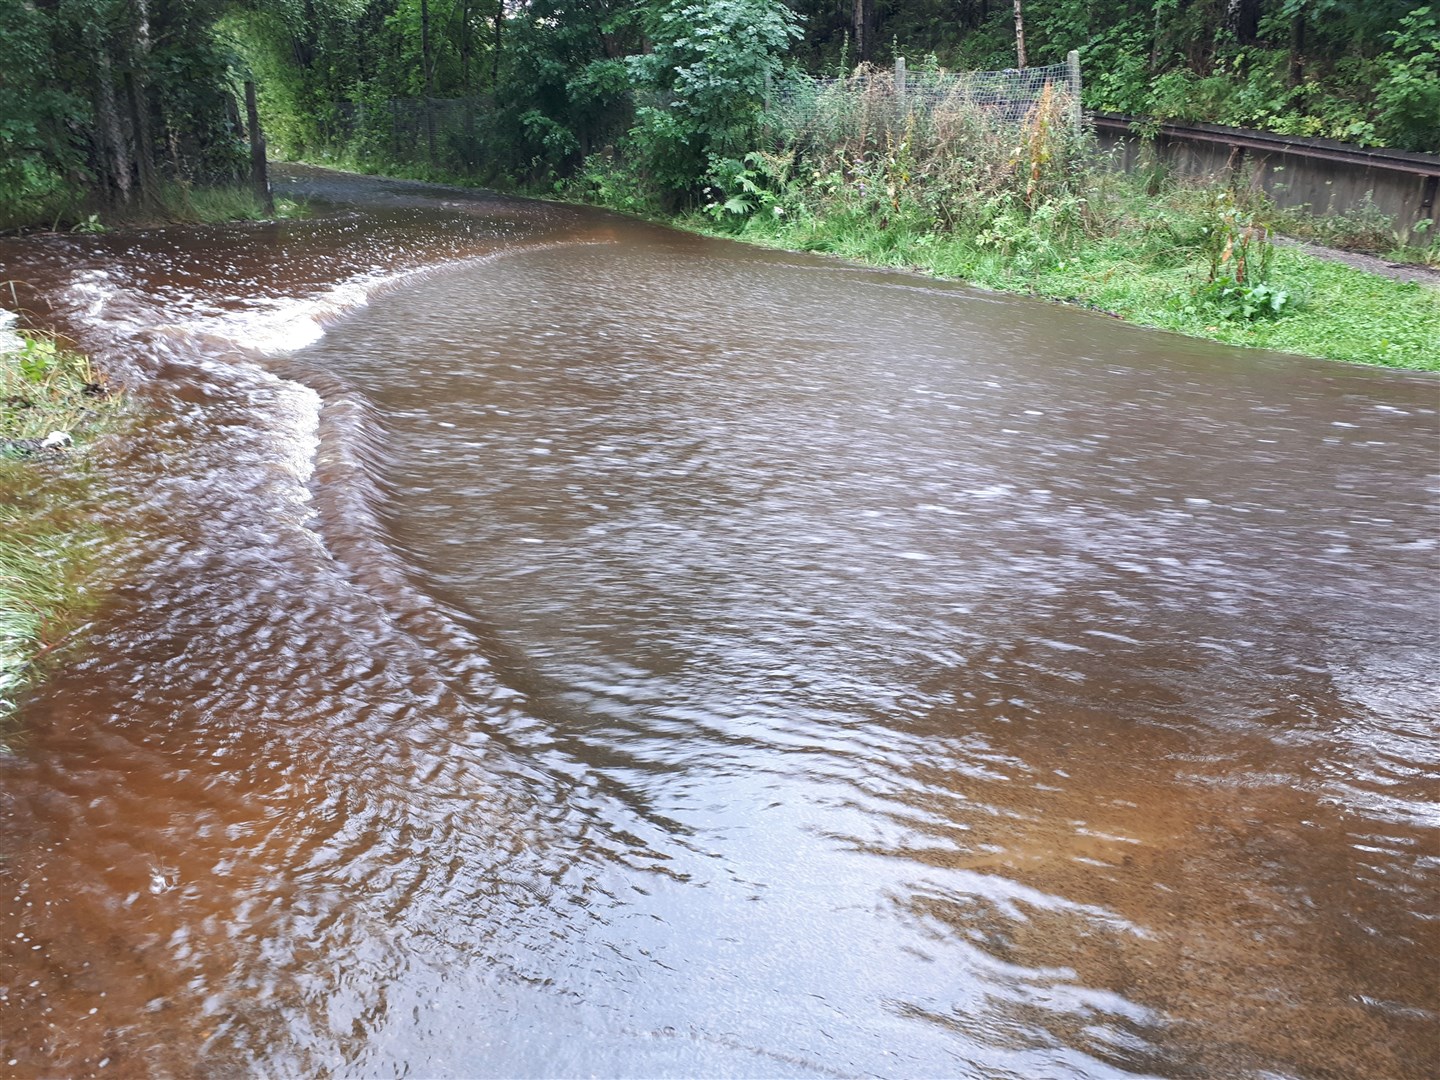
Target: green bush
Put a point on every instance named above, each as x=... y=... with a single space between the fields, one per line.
x=1408 y=98
x=705 y=80
x=39 y=165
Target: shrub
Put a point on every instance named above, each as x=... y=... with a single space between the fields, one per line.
x=1409 y=95
x=706 y=79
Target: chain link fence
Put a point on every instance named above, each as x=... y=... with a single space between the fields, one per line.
x=464 y=134
x=452 y=131
x=876 y=102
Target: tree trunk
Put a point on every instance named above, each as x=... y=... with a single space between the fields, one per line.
x=114 y=146
x=1242 y=19
x=1019 y=35
x=1297 y=49
x=259 y=178
x=862 y=19
x=304 y=43
x=149 y=180
x=495 y=53
x=465 y=48
x=427 y=70
x=1155 y=40
x=137 y=92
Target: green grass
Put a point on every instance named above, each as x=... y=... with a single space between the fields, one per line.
x=44 y=388
x=49 y=543
x=182 y=204
x=1342 y=314
x=1146 y=273
x=206 y=205
x=48 y=560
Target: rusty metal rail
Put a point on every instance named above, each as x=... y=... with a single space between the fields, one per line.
x=1417 y=175
x=1319 y=149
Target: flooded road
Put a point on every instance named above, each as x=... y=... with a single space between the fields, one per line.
x=548 y=645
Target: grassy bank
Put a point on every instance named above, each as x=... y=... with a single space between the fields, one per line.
x=177 y=204
x=51 y=403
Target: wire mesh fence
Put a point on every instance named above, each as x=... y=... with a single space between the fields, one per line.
x=442 y=130
x=469 y=135
x=875 y=102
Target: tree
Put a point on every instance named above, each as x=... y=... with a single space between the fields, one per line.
x=862 y=22
x=707 y=74
x=106 y=101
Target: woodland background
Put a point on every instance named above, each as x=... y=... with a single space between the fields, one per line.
x=124 y=103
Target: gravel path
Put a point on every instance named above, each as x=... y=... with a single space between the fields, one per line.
x=1371 y=264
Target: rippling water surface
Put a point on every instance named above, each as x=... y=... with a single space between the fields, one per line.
x=548 y=644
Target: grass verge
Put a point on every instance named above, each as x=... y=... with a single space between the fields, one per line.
x=177 y=204
x=213 y=205
x=51 y=402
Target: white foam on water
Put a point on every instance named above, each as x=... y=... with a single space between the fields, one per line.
x=241 y=340
x=299 y=409
x=280 y=327
x=10 y=339
x=287 y=326
x=228 y=347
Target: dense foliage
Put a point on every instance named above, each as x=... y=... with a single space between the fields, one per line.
x=110 y=100
x=1359 y=70
x=706 y=75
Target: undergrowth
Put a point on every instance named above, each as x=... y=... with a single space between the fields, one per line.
x=44 y=388
x=206 y=205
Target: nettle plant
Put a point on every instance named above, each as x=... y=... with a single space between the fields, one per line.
x=1239 y=252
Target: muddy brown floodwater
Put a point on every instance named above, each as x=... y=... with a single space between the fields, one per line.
x=548 y=644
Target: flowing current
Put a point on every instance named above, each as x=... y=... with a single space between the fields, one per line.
x=545 y=644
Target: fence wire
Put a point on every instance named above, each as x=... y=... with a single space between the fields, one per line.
x=876 y=101
x=461 y=133
x=449 y=130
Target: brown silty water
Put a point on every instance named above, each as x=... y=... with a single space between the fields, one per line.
x=549 y=644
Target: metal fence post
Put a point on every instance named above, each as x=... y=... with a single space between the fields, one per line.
x=900 y=109
x=1072 y=64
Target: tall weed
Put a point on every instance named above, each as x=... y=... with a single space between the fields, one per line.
x=940 y=162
